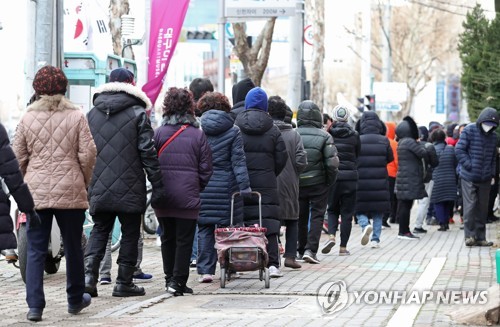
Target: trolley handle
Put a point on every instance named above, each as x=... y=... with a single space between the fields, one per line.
x=239 y=194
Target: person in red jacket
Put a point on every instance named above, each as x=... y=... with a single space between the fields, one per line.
x=392 y=170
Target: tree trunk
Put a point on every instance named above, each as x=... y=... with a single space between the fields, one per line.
x=318 y=57
x=255 y=58
x=118 y=8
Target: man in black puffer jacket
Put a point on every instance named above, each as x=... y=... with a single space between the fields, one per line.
x=315 y=180
x=125 y=152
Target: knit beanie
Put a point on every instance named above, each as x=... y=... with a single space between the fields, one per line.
x=340 y=114
x=122 y=75
x=50 y=80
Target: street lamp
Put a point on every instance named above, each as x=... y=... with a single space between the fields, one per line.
x=130 y=37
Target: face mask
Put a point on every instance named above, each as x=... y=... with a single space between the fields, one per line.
x=486 y=128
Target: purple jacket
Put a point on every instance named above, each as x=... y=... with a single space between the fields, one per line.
x=186 y=166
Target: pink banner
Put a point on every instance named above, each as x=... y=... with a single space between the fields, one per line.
x=167 y=17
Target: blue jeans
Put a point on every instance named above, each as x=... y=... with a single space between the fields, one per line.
x=376 y=224
x=207 y=255
x=194 y=251
x=70 y=222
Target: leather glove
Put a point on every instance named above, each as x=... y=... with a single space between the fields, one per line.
x=158 y=198
x=33 y=219
x=246 y=193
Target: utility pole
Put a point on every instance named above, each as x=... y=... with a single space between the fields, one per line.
x=386 y=52
x=296 y=41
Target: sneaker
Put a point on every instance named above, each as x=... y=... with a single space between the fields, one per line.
x=420 y=230
x=292 y=263
x=74 y=309
x=192 y=264
x=105 y=281
x=205 y=278
x=374 y=244
x=408 y=236
x=310 y=257
x=365 y=236
x=158 y=240
x=470 y=241
x=274 y=272
x=328 y=245
x=343 y=252
x=385 y=225
x=484 y=243
x=299 y=258
x=142 y=277
x=175 y=288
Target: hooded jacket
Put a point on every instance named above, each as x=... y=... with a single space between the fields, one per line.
x=322 y=159
x=412 y=157
x=125 y=150
x=288 y=180
x=56 y=153
x=348 y=146
x=230 y=172
x=266 y=157
x=373 y=195
x=392 y=167
x=13 y=179
x=444 y=175
x=240 y=91
x=476 y=150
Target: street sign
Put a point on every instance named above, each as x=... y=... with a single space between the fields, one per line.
x=308 y=35
x=260 y=8
x=390 y=91
x=388 y=106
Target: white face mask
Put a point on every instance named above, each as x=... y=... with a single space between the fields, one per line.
x=486 y=128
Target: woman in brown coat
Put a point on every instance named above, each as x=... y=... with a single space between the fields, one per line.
x=56 y=154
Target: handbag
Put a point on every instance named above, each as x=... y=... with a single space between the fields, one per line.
x=180 y=130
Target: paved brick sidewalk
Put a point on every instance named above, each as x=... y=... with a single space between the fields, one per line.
x=396 y=266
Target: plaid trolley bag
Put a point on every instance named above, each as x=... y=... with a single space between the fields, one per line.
x=242 y=248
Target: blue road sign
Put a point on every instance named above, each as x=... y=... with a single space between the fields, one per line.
x=388 y=106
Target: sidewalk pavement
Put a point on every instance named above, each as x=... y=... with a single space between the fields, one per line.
x=438 y=261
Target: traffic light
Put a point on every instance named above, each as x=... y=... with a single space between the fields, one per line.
x=200 y=35
x=371 y=102
x=361 y=104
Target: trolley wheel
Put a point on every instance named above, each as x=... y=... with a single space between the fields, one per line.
x=266 y=272
x=261 y=274
x=222 y=277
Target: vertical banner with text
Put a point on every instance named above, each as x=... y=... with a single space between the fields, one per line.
x=167 y=17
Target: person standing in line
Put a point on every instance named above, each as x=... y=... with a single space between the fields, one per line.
x=372 y=196
x=125 y=155
x=392 y=170
x=412 y=157
x=288 y=180
x=266 y=158
x=444 y=190
x=230 y=175
x=424 y=204
x=342 y=194
x=186 y=165
x=240 y=91
x=56 y=155
x=315 y=181
x=476 y=152
x=12 y=183
x=198 y=87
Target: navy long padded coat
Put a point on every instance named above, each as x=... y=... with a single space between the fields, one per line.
x=444 y=175
x=266 y=157
x=373 y=187
x=9 y=171
x=230 y=172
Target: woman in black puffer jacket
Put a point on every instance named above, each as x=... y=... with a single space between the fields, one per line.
x=412 y=156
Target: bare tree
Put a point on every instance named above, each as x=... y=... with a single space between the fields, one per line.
x=316 y=10
x=421 y=39
x=254 y=58
x=118 y=8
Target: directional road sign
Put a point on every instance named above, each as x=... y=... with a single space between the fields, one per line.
x=388 y=106
x=260 y=8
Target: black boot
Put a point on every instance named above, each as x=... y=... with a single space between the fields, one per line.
x=91 y=273
x=447 y=226
x=124 y=285
x=442 y=228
